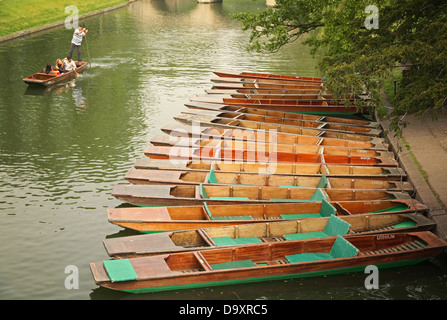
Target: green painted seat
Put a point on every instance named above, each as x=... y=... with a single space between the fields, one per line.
x=212 y=177
x=228 y=241
x=300 y=216
x=229 y=198
x=340 y=249
x=233 y=218
x=233 y=265
x=399 y=207
x=203 y=193
x=405 y=224
x=334 y=227
x=120 y=270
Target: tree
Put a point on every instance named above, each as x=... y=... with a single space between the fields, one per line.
x=358 y=55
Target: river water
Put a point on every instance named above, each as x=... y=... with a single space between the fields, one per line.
x=61 y=152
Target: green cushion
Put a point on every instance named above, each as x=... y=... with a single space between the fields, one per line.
x=233 y=218
x=207 y=209
x=229 y=198
x=405 y=224
x=212 y=177
x=308 y=256
x=228 y=241
x=120 y=270
x=399 y=207
x=342 y=248
x=233 y=265
x=247 y=240
x=323 y=182
x=305 y=235
x=318 y=196
x=300 y=216
x=336 y=226
x=224 y=241
x=327 y=209
x=203 y=193
x=279 y=199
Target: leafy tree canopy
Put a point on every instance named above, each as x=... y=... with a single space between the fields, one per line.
x=359 y=56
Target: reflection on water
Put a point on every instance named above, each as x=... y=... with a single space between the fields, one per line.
x=62 y=149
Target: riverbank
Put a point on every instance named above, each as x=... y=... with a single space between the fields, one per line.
x=20 y=18
x=421 y=150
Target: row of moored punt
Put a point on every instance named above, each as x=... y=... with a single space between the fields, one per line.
x=263 y=177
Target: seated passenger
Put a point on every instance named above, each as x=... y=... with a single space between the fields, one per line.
x=48 y=69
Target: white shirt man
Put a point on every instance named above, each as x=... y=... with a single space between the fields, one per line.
x=76 y=41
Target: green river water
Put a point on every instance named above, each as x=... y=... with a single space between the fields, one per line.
x=61 y=152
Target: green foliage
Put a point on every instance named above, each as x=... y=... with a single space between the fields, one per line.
x=357 y=59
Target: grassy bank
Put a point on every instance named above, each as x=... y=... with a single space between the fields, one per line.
x=19 y=15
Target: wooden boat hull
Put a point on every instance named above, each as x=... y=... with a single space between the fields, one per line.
x=282 y=105
x=163 y=219
x=283 y=115
x=237 y=235
x=263 y=262
x=179 y=131
x=261 y=156
x=317 y=170
x=212 y=121
x=184 y=195
x=300 y=123
x=181 y=177
x=261 y=146
x=260 y=75
x=42 y=79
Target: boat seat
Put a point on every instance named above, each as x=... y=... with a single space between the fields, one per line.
x=120 y=270
x=233 y=265
x=212 y=177
x=399 y=207
x=203 y=193
x=228 y=241
x=334 y=227
x=340 y=249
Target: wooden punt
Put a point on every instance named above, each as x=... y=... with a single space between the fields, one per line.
x=301 y=123
x=239 y=155
x=263 y=75
x=237 y=235
x=306 y=87
x=179 y=131
x=175 y=141
x=181 y=177
x=174 y=218
x=265 y=261
x=43 y=79
x=286 y=93
x=314 y=107
x=313 y=170
x=184 y=195
x=265 y=80
x=283 y=115
x=212 y=121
